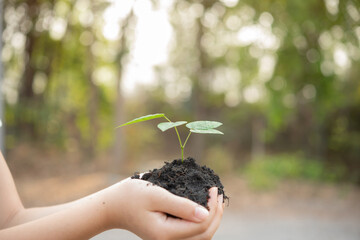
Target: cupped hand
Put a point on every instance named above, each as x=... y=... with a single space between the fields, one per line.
x=144 y=208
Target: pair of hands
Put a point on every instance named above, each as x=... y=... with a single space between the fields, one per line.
x=131 y=204
x=142 y=208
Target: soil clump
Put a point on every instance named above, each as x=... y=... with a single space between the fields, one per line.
x=185 y=179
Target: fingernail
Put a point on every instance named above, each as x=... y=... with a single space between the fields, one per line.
x=201 y=213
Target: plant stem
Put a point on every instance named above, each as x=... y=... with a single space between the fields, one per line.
x=186 y=139
x=182 y=154
x=181 y=146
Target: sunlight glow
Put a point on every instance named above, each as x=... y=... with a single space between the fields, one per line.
x=266 y=67
x=327 y=68
x=230 y=3
x=18 y=40
x=309 y=91
x=178 y=90
x=325 y=40
x=266 y=19
x=117 y=11
x=253 y=93
x=153 y=35
x=341 y=57
x=150 y=46
x=58 y=28
x=259 y=35
x=353 y=11
x=104 y=76
x=332 y=6
x=111 y=31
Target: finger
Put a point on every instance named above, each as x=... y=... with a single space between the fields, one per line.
x=181 y=207
x=182 y=228
x=217 y=218
x=212 y=202
x=210 y=232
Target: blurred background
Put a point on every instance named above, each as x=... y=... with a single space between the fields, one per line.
x=283 y=77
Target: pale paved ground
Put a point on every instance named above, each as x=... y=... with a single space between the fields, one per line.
x=238 y=226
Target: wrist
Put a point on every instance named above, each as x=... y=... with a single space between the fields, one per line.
x=113 y=206
x=103 y=215
x=96 y=209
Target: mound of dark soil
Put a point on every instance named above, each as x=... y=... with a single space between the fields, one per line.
x=185 y=179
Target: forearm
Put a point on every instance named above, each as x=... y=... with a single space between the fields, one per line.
x=79 y=220
x=25 y=215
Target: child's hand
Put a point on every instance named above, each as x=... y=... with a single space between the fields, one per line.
x=142 y=208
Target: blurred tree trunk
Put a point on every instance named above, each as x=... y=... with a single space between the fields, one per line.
x=26 y=92
x=198 y=94
x=119 y=143
x=118 y=163
x=29 y=100
x=93 y=106
x=53 y=52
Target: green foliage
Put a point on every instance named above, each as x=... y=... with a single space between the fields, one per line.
x=196 y=127
x=143 y=118
x=203 y=125
x=296 y=71
x=167 y=125
x=206 y=131
x=267 y=172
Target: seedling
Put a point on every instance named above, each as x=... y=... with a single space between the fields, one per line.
x=207 y=127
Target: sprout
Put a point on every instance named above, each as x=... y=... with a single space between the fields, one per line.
x=207 y=127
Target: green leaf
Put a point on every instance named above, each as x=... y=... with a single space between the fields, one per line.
x=143 y=118
x=203 y=125
x=167 y=125
x=207 y=131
